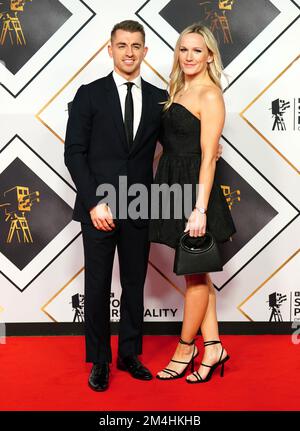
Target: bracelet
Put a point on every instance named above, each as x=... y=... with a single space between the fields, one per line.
x=201 y=210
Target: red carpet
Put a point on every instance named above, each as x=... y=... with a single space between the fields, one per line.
x=49 y=373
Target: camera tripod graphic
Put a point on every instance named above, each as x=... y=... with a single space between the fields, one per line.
x=278 y=109
x=19 y=202
x=218 y=21
x=275 y=301
x=11 y=23
x=231 y=196
x=77 y=305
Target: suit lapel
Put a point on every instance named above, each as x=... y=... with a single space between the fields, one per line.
x=115 y=108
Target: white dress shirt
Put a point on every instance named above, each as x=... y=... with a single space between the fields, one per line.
x=136 y=96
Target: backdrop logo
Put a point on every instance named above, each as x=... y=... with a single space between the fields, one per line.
x=232 y=196
x=216 y=18
x=241 y=199
x=283 y=308
x=285 y=112
x=19 y=201
x=234 y=23
x=25 y=26
x=77 y=302
x=33 y=33
x=275 y=302
x=25 y=227
x=11 y=26
x=114 y=308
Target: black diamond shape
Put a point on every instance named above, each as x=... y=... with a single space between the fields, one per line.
x=38 y=21
x=250 y=214
x=246 y=20
x=45 y=219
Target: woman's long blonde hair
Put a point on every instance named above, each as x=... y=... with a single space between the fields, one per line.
x=214 y=68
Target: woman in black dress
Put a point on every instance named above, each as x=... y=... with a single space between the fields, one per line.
x=192 y=124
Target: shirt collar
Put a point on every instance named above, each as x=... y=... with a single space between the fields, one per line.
x=119 y=80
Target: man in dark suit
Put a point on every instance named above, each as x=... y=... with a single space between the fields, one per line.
x=112 y=132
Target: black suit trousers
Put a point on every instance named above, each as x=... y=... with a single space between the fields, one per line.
x=132 y=243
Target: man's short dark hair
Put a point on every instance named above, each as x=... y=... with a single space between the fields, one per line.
x=130 y=26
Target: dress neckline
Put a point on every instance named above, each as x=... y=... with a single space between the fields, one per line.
x=179 y=104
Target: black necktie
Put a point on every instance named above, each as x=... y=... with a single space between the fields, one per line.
x=128 y=116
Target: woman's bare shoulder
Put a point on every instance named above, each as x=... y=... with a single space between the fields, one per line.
x=210 y=102
x=210 y=99
x=210 y=93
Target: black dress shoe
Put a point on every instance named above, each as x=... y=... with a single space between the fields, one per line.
x=134 y=367
x=99 y=377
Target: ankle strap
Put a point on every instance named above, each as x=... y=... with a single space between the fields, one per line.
x=185 y=342
x=209 y=343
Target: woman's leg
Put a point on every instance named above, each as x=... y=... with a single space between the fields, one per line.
x=210 y=331
x=195 y=306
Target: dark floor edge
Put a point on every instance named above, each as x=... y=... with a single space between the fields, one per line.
x=150 y=328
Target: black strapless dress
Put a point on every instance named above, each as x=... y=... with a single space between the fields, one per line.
x=180 y=164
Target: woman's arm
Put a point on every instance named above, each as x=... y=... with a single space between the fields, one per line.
x=212 y=114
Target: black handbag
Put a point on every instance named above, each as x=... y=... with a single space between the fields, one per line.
x=196 y=255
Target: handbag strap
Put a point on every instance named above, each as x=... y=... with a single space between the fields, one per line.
x=197 y=251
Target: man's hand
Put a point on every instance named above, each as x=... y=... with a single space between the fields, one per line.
x=102 y=217
x=219 y=153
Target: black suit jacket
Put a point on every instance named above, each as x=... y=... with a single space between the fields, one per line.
x=96 y=150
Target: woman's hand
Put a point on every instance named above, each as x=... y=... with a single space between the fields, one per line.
x=196 y=224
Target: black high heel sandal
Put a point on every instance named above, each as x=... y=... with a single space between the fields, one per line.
x=174 y=374
x=212 y=367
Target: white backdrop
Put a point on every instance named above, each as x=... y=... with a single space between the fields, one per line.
x=266 y=162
